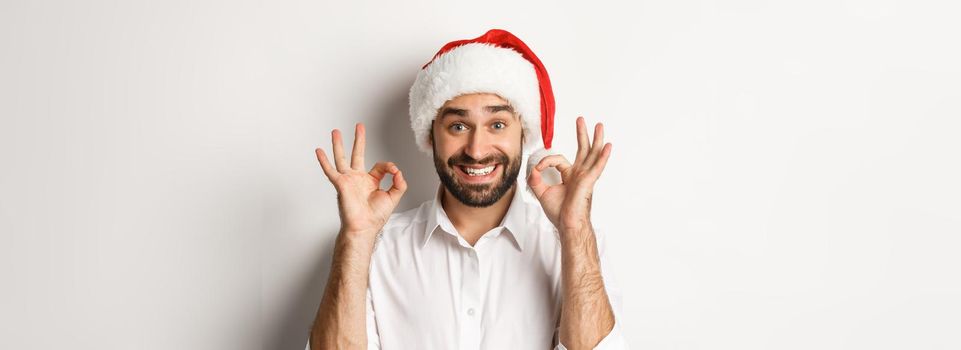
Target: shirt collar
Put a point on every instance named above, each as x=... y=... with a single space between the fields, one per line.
x=513 y=221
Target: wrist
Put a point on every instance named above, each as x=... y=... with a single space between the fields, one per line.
x=353 y=233
x=577 y=228
x=574 y=221
x=357 y=238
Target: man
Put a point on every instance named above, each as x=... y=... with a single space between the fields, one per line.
x=478 y=267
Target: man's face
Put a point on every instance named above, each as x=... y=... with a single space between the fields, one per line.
x=477 y=142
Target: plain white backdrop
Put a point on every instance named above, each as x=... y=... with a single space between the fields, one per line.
x=784 y=173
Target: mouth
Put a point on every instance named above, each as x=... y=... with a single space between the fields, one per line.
x=477 y=174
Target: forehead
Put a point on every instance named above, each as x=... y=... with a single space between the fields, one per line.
x=475 y=100
x=474 y=106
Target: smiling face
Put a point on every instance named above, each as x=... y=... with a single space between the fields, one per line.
x=477 y=142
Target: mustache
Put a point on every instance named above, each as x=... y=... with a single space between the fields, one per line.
x=468 y=160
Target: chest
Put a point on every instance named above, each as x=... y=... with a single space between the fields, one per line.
x=449 y=296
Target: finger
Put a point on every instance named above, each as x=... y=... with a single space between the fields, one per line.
x=399 y=185
x=598 y=167
x=325 y=164
x=536 y=183
x=381 y=169
x=338 y=145
x=357 y=154
x=556 y=161
x=582 y=141
x=597 y=147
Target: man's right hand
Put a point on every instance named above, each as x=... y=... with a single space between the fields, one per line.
x=364 y=207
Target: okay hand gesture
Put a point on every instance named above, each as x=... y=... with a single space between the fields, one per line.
x=568 y=204
x=364 y=207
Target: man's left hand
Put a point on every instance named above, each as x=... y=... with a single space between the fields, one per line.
x=568 y=204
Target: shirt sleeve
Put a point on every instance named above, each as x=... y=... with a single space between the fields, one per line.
x=373 y=339
x=614 y=340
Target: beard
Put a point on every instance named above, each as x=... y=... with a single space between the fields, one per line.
x=478 y=195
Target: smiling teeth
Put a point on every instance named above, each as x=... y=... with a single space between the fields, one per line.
x=479 y=172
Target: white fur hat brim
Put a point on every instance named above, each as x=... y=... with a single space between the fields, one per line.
x=476 y=68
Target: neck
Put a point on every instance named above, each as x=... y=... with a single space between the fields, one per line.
x=472 y=222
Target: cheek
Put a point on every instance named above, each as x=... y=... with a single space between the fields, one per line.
x=515 y=140
x=445 y=148
x=445 y=145
x=509 y=149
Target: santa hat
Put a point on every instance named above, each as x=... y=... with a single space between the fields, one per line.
x=497 y=62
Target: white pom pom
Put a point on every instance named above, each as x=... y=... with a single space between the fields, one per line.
x=550 y=176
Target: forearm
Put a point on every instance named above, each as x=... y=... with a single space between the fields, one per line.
x=586 y=314
x=341 y=317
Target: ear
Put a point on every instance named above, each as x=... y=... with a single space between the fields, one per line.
x=523 y=131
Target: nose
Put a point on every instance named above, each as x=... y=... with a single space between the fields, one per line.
x=478 y=145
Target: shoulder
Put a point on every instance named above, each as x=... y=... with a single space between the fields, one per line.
x=538 y=223
x=403 y=225
x=399 y=221
x=538 y=229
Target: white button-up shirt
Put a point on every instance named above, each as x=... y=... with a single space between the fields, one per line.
x=430 y=289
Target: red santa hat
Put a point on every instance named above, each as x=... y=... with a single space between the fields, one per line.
x=497 y=62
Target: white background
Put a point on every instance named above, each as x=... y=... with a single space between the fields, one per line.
x=784 y=174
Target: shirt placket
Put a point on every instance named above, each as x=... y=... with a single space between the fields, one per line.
x=470 y=310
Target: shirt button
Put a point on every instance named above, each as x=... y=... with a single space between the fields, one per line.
x=470 y=311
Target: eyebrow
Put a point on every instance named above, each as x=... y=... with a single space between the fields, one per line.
x=463 y=112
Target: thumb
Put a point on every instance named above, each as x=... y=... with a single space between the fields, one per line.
x=536 y=183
